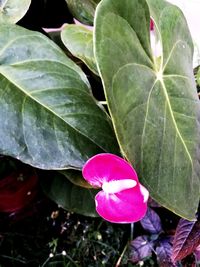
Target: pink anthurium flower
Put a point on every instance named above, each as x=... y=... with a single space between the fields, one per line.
x=122 y=199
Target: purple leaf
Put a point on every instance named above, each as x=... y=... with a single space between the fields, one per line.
x=140 y=248
x=186 y=240
x=151 y=222
x=164 y=252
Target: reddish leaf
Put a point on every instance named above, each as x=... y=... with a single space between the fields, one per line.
x=151 y=222
x=164 y=252
x=140 y=248
x=186 y=240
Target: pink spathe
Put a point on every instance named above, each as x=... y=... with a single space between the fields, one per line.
x=122 y=199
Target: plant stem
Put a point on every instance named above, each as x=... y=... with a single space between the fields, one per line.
x=132 y=231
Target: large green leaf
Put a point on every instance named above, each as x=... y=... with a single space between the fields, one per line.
x=154 y=106
x=83 y=10
x=48 y=116
x=69 y=196
x=79 y=41
x=12 y=11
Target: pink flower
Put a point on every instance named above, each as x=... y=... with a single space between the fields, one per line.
x=122 y=199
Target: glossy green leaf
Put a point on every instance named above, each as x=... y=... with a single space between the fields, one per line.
x=12 y=11
x=154 y=106
x=79 y=41
x=83 y=10
x=48 y=116
x=69 y=196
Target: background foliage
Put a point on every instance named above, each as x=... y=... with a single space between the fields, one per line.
x=67 y=95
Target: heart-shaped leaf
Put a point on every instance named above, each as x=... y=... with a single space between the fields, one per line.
x=153 y=102
x=83 y=10
x=48 y=116
x=79 y=41
x=151 y=222
x=69 y=196
x=186 y=239
x=12 y=11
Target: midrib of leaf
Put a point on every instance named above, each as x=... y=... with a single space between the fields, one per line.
x=186 y=238
x=160 y=74
x=47 y=108
x=50 y=43
x=170 y=54
x=158 y=70
x=160 y=79
x=173 y=119
x=184 y=230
